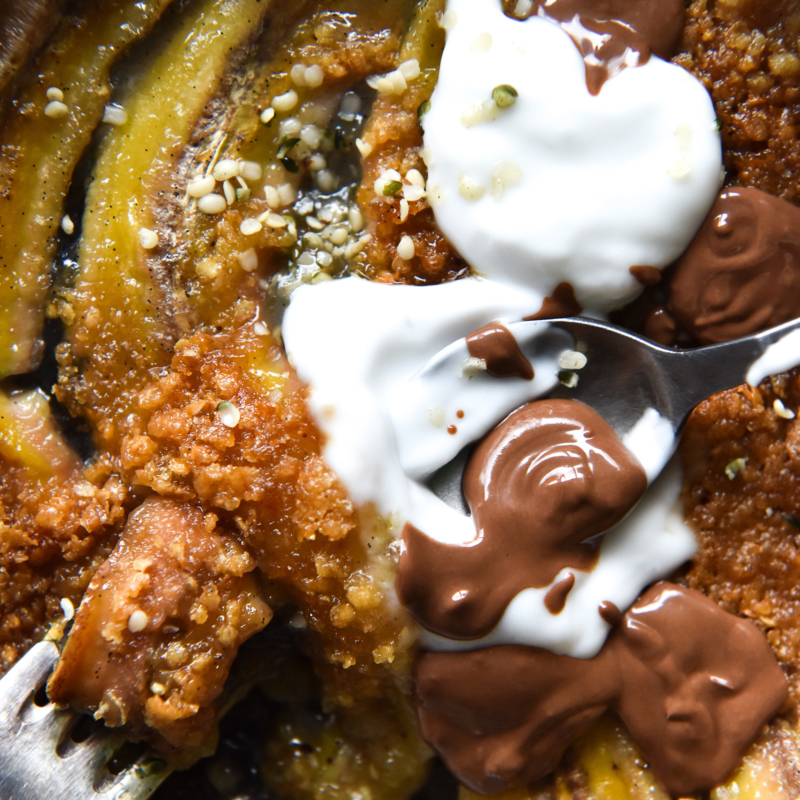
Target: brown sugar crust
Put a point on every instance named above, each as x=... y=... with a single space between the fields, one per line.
x=159 y=626
x=265 y=481
x=744 y=52
x=54 y=533
x=747 y=526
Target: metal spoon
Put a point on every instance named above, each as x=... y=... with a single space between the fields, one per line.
x=644 y=390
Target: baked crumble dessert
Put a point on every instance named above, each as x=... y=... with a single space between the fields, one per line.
x=233 y=230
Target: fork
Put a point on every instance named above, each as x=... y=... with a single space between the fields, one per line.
x=39 y=760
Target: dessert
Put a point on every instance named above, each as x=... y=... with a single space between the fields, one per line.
x=246 y=466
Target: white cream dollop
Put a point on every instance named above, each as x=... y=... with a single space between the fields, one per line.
x=563 y=185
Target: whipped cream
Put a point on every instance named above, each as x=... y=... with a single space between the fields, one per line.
x=563 y=185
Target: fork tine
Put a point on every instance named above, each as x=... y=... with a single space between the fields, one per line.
x=26 y=676
x=31 y=767
x=89 y=757
x=50 y=720
x=138 y=781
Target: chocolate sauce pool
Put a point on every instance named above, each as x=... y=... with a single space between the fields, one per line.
x=552 y=475
x=693 y=684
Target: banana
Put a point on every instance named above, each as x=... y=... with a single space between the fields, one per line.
x=39 y=155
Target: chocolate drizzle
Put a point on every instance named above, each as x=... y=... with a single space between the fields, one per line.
x=698 y=684
x=647 y=276
x=504 y=716
x=614 y=34
x=556 y=599
x=545 y=480
x=693 y=684
x=562 y=303
x=496 y=345
x=660 y=327
x=741 y=274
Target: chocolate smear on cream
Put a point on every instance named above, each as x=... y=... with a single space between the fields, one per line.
x=496 y=345
x=556 y=598
x=614 y=34
x=562 y=303
x=741 y=273
x=693 y=684
x=551 y=476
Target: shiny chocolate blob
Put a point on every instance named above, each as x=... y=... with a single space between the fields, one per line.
x=496 y=345
x=614 y=34
x=693 y=684
x=741 y=274
x=551 y=476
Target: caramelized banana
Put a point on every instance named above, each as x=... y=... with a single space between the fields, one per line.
x=393 y=140
x=43 y=139
x=122 y=314
x=209 y=254
x=24 y=25
x=30 y=439
x=159 y=626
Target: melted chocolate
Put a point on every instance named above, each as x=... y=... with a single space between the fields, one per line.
x=741 y=274
x=647 y=276
x=660 y=327
x=496 y=345
x=552 y=475
x=504 y=716
x=614 y=34
x=556 y=599
x=610 y=613
x=693 y=684
x=562 y=303
x=698 y=685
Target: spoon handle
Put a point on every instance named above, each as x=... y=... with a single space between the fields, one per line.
x=698 y=374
